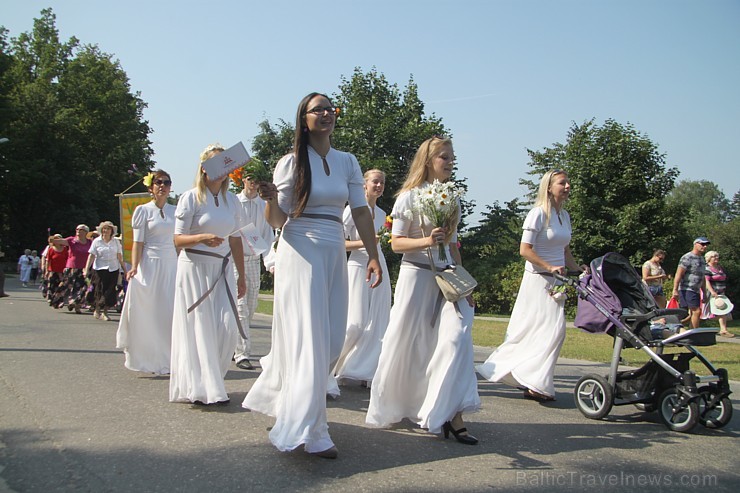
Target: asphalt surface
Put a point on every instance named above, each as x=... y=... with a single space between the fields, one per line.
x=72 y=418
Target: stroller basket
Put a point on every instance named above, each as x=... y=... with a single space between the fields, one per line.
x=641 y=384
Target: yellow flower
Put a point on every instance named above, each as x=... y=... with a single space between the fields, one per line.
x=147 y=180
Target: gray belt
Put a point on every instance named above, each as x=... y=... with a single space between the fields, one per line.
x=200 y=300
x=328 y=217
x=440 y=297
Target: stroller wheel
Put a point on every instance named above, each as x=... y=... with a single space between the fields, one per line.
x=594 y=396
x=715 y=416
x=683 y=419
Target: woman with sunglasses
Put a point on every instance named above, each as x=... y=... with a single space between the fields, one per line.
x=426 y=371
x=205 y=320
x=536 y=331
x=145 y=328
x=309 y=191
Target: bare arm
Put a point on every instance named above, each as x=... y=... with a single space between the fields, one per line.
x=135 y=259
x=404 y=244
x=187 y=241
x=571 y=262
x=366 y=229
x=237 y=255
x=274 y=215
x=680 y=271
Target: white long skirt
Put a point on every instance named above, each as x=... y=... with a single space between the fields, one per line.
x=426 y=372
x=367 y=319
x=203 y=341
x=145 y=329
x=309 y=322
x=535 y=334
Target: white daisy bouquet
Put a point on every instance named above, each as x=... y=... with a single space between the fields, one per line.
x=439 y=203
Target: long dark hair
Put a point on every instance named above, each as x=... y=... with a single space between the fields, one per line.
x=300 y=147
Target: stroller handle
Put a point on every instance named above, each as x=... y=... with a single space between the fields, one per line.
x=571 y=278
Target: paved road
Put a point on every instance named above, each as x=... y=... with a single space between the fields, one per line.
x=72 y=418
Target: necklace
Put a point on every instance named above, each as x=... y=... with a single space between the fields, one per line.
x=326 y=164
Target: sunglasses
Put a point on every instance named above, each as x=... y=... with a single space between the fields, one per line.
x=165 y=183
x=321 y=110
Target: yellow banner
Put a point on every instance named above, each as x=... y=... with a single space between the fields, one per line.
x=126 y=205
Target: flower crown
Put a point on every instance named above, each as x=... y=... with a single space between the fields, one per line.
x=147 y=180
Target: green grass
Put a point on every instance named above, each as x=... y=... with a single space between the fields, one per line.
x=598 y=347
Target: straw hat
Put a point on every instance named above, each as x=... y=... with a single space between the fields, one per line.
x=720 y=305
x=112 y=226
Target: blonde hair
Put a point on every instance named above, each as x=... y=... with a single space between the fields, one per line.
x=419 y=172
x=419 y=169
x=200 y=177
x=373 y=171
x=710 y=255
x=543 y=194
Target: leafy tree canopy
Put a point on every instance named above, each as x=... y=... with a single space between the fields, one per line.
x=619 y=182
x=74 y=127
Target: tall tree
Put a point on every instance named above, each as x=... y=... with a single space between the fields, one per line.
x=75 y=128
x=491 y=253
x=619 y=182
x=702 y=204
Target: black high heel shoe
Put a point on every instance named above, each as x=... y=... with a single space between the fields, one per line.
x=466 y=439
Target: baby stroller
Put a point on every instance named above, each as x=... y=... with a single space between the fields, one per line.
x=614 y=300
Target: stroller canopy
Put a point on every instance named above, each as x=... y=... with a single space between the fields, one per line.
x=615 y=286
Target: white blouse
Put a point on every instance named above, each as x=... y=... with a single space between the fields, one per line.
x=106 y=254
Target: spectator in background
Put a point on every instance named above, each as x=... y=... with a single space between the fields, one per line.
x=25 y=263
x=689 y=281
x=717 y=285
x=653 y=275
x=35 y=262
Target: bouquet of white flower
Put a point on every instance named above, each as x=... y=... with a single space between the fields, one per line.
x=439 y=203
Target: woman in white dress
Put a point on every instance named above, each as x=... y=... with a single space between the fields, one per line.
x=426 y=371
x=369 y=309
x=536 y=331
x=205 y=319
x=311 y=187
x=145 y=328
x=105 y=257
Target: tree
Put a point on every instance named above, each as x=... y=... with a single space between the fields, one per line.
x=702 y=204
x=75 y=129
x=619 y=183
x=490 y=253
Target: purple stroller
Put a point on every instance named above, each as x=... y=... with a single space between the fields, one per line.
x=613 y=299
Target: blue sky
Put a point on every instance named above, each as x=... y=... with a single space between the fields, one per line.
x=504 y=76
